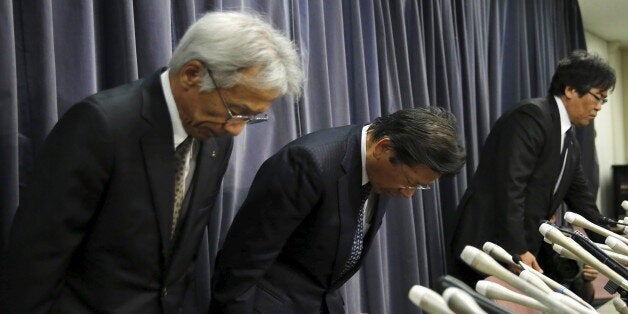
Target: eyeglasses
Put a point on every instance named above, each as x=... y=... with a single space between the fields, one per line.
x=415 y=187
x=236 y=117
x=599 y=99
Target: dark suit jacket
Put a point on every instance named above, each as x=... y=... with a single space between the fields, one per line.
x=92 y=233
x=289 y=242
x=512 y=189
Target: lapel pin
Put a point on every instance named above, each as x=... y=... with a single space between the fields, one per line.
x=213 y=154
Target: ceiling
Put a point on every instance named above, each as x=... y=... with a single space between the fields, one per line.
x=607 y=19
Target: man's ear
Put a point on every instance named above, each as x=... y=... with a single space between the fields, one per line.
x=571 y=93
x=190 y=76
x=381 y=147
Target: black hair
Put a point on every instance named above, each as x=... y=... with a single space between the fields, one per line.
x=422 y=136
x=582 y=71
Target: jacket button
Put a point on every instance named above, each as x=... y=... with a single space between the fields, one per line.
x=164 y=292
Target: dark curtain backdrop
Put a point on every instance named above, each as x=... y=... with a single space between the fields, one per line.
x=363 y=58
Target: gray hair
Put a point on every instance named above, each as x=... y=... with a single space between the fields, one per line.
x=229 y=42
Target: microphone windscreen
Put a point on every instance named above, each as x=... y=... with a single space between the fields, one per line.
x=461 y=302
x=536 y=281
x=600 y=255
x=485 y=303
x=620 y=306
x=428 y=300
x=616 y=245
x=486 y=264
x=498 y=292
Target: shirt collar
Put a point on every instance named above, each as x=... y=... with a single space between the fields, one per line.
x=178 y=131
x=565 y=123
x=365 y=178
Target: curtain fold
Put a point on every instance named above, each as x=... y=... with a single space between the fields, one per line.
x=362 y=59
x=9 y=136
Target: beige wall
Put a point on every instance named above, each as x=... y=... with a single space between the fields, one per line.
x=611 y=139
x=624 y=74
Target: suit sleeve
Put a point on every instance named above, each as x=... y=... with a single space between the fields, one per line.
x=283 y=193
x=520 y=142
x=65 y=191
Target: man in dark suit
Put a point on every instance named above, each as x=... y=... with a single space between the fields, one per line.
x=306 y=223
x=530 y=164
x=124 y=183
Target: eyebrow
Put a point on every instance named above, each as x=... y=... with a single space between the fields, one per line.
x=601 y=93
x=411 y=181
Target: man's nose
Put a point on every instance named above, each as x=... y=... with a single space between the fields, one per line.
x=407 y=192
x=235 y=128
x=598 y=106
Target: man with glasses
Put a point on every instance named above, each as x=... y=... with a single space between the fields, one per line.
x=122 y=190
x=315 y=206
x=529 y=164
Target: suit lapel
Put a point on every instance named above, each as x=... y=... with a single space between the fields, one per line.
x=380 y=209
x=157 y=147
x=554 y=145
x=348 y=185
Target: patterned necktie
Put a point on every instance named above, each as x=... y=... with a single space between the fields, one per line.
x=358 y=237
x=181 y=165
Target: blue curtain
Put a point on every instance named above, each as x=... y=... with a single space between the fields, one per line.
x=363 y=58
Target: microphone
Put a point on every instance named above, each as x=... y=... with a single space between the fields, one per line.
x=620 y=305
x=616 y=245
x=529 y=277
x=428 y=300
x=609 y=221
x=557 y=237
x=563 y=252
x=485 y=303
x=497 y=292
x=620 y=258
x=557 y=287
x=624 y=229
x=536 y=281
x=460 y=302
x=572 y=303
x=498 y=253
x=484 y=263
x=578 y=220
x=585 y=243
x=603 y=246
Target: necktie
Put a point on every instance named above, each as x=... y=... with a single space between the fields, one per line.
x=563 y=154
x=566 y=142
x=181 y=162
x=358 y=236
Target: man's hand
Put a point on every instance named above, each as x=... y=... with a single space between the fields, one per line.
x=589 y=273
x=530 y=260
